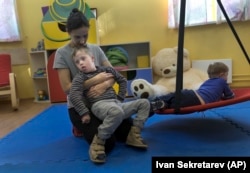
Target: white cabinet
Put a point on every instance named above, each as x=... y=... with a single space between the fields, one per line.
x=138 y=65
x=38 y=63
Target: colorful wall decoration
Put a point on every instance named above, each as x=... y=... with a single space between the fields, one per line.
x=54 y=19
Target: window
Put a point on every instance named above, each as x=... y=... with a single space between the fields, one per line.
x=207 y=11
x=9 y=27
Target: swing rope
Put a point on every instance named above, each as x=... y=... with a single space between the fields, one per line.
x=233 y=30
x=179 y=74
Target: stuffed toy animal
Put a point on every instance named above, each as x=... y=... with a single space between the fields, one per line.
x=164 y=65
x=42 y=95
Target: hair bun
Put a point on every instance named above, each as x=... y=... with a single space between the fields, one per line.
x=75 y=10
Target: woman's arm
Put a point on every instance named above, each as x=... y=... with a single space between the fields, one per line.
x=100 y=88
x=106 y=64
x=101 y=84
x=98 y=79
x=65 y=80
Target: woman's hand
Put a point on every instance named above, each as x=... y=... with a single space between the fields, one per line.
x=97 y=90
x=85 y=119
x=100 y=88
x=99 y=78
x=104 y=76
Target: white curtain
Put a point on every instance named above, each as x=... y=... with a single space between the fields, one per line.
x=9 y=29
x=204 y=12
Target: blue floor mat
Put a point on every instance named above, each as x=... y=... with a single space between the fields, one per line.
x=46 y=144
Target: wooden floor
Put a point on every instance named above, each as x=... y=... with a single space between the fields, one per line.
x=10 y=120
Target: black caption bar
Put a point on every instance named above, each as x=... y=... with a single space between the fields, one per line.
x=221 y=164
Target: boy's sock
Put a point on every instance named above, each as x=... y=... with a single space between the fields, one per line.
x=158 y=104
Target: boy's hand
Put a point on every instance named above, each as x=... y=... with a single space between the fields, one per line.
x=85 y=119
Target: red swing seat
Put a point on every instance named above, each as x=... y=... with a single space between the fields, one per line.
x=241 y=95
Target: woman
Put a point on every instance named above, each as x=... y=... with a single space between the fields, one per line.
x=77 y=27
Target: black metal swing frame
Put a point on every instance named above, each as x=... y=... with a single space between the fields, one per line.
x=179 y=75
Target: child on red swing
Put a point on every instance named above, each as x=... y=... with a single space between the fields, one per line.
x=212 y=90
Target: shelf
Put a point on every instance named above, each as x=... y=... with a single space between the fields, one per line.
x=138 y=61
x=38 y=61
x=138 y=53
x=42 y=77
x=41 y=101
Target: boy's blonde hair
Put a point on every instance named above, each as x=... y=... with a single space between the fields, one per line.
x=78 y=48
x=215 y=69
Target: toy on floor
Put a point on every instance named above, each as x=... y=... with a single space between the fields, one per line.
x=42 y=95
x=164 y=65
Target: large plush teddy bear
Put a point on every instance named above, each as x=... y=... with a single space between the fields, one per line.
x=164 y=65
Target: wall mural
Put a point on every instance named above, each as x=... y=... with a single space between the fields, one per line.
x=54 y=18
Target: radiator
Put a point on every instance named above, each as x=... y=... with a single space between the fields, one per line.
x=203 y=65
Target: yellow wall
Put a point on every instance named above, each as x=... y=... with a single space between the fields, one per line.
x=141 y=20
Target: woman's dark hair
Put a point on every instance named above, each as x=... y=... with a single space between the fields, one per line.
x=76 y=20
